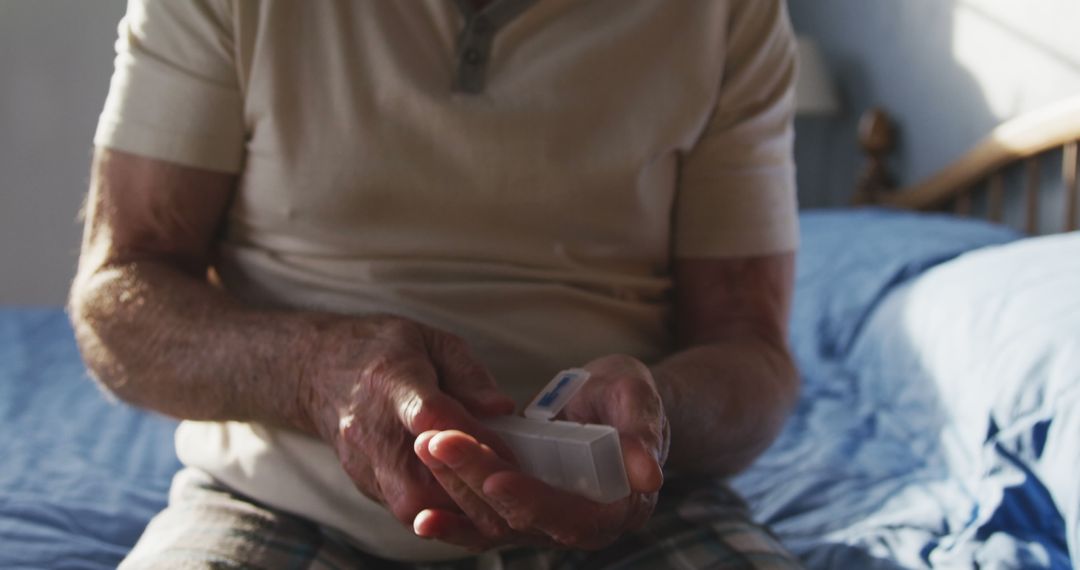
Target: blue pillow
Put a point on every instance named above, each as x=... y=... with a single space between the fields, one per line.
x=982 y=361
x=850 y=259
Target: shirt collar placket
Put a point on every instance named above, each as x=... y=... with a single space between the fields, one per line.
x=476 y=39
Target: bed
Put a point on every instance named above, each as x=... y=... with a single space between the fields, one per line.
x=939 y=424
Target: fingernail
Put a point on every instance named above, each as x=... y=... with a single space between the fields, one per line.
x=418 y=525
x=422 y=441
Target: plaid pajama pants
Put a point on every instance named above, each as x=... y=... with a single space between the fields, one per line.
x=697 y=524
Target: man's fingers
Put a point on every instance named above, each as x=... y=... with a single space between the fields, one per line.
x=477 y=465
x=449 y=527
x=405 y=487
x=642 y=469
x=569 y=519
x=470 y=461
x=440 y=412
x=408 y=487
x=527 y=505
x=412 y=393
x=375 y=454
x=631 y=405
x=421 y=406
x=457 y=529
x=463 y=376
x=485 y=520
x=637 y=411
x=467 y=456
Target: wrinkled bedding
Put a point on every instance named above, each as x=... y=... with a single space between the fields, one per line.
x=81 y=475
x=939 y=424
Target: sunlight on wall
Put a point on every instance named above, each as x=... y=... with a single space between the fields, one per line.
x=1023 y=54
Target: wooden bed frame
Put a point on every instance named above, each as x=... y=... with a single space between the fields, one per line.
x=980 y=174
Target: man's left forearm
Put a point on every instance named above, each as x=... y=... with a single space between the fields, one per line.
x=726 y=401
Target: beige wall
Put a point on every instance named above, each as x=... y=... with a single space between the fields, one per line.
x=55 y=62
x=948 y=70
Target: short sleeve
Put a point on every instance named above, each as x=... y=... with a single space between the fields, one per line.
x=736 y=193
x=175 y=93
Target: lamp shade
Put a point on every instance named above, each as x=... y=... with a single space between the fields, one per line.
x=815 y=93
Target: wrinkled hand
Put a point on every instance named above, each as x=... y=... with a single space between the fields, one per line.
x=502 y=505
x=375 y=384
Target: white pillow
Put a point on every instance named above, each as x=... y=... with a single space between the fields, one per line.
x=992 y=340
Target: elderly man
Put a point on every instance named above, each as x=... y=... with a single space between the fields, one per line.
x=333 y=236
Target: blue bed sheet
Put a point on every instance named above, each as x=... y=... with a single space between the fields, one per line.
x=870 y=471
x=81 y=475
x=842 y=486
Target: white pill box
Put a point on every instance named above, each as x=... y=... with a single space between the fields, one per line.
x=581 y=458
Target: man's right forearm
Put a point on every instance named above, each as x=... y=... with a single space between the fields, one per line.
x=157 y=333
x=162 y=339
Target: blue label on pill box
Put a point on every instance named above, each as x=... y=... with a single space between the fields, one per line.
x=548 y=399
x=556 y=394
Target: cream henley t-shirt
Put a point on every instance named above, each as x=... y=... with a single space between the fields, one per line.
x=521 y=176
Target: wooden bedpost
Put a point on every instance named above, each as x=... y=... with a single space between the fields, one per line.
x=979 y=176
x=877 y=138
